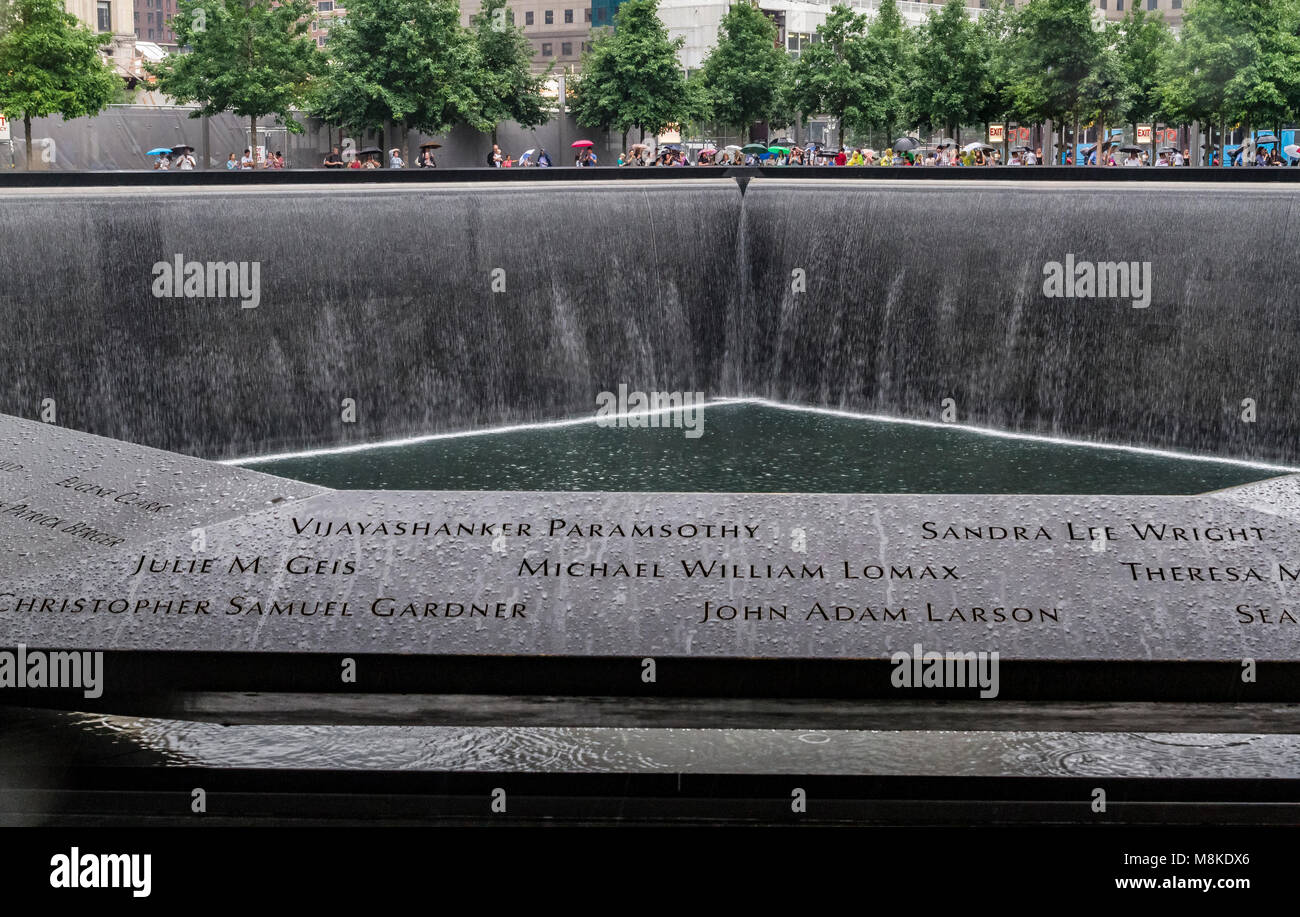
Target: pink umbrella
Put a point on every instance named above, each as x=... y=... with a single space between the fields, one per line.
x=579 y=143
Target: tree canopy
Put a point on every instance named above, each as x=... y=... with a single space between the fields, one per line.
x=250 y=57
x=50 y=64
x=744 y=73
x=631 y=77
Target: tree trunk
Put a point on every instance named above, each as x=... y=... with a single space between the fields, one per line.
x=27 y=138
x=624 y=149
x=252 y=138
x=494 y=134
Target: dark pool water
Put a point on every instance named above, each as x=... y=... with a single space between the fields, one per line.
x=757 y=447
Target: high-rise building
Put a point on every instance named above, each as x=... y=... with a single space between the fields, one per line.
x=560 y=30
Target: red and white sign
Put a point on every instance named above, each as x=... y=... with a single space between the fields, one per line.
x=1144 y=133
x=997 y=133
x=4 y=128
x=1171 y=135
x=1024 y=135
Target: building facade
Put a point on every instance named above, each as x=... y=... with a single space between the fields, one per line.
x=115 y=21
x=1172 y=10
x=153 y=23
x=560 y=30
x=329 y=13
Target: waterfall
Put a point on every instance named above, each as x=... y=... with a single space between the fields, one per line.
x=390 y=311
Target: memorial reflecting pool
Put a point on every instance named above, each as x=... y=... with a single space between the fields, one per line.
x=754 y=447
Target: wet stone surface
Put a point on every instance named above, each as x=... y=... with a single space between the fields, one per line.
x=242 y=561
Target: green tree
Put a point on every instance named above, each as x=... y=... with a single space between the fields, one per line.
x=1235 y=61
x=833 y=76
x=1142 y=43
x=1105 y=89
x=949 y=73
x=890 y=61
x=405 y=61
x=505 y=86
x=743 y=74
x=50 y=64
x=996 y=30
x=250 y=57
x=631 y=77
x=1053 y=49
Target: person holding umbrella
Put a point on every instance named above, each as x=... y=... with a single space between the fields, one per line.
x=426 y=160
x=185 y=157
x=584 y=157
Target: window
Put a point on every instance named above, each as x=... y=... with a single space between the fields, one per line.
x=324 y=6
x=568 y=15
x=586 y=46
x=1177 y=4
x=550 y=17
x=1119 y=5
x=546 y=49
x=566 y=49
x=586 y=15
x=1103 y=4
x=104 y=15
x=1151 y=4
x=528 y=18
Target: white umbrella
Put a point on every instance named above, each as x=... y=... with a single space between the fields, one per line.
x=1292 y=151
x=731 y=149
x=977 y=145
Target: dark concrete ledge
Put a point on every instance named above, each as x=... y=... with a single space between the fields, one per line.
x=142 y=679
x=148 y=178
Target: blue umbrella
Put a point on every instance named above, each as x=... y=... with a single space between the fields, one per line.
x=159 y=151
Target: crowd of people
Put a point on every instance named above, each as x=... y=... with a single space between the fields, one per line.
x=946 y=153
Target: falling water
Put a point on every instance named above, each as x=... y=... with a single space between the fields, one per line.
x=451 y=308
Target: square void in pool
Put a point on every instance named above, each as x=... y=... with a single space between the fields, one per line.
x=759 y=447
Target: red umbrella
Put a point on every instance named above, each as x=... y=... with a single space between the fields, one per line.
x=578 y=143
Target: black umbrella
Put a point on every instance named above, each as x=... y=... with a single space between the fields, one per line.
x=1167 y=149
x=1135 y=150
x=906 y=144
x=372 y=150
x=945 y=142
x=430 y=145
x=1020 y=149
x=182 y=148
